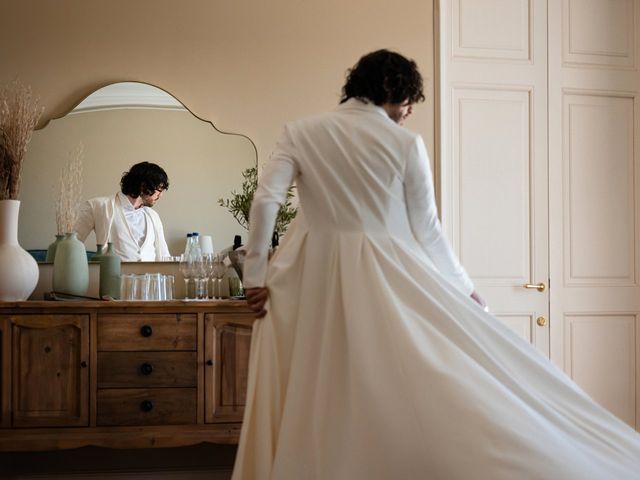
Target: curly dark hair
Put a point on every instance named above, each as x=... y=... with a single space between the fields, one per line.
x=384 y=76
x=144 y=178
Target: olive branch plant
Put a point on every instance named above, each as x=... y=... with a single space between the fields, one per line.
x=239 y=204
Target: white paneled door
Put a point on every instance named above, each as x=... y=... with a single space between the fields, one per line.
x=493 y=162
x=539 y=170
x=594 y=215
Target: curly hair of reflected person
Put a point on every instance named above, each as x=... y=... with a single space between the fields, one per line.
x=384 y=76
x=144 y=178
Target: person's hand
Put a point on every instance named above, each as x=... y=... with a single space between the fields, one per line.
x=257 y=298
x=479 y=300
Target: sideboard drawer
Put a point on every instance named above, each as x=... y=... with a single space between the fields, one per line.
x=147 y=369
x=147 y=332
x=146 y=406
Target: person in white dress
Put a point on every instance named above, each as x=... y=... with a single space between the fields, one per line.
x=372 y=357
x=127 y=219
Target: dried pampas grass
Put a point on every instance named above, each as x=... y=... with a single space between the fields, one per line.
x=19 y=115
x=69 y=192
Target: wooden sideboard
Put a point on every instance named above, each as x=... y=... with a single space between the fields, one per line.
x=122 y=374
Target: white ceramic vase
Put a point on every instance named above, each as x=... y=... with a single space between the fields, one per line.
x=18 y=269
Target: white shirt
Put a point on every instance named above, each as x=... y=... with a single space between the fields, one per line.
x=141 y=240
x=136 y=218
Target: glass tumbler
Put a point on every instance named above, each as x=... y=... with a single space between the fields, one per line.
x=140 y=287
x=156 y=287
x=126 y=286
x=169 y=287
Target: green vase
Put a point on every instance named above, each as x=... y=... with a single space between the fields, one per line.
x=70 y=267
x=109 y=273
x=51 y=251
x=99 y=251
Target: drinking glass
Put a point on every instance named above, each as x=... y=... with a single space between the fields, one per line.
x=126 y=286
x=185 y=267
x=140 y=287
x=219 y=269
x=208 y=262
x=198 y=273
x=157 y=290
x=169 y=284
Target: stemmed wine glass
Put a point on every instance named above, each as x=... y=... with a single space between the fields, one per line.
x=219 y=269
x=185 y=267
x=208 y=262
x=199 y=275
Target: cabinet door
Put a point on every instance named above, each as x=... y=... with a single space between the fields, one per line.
x=227 y=343
x=50 y=370
x=5 y=373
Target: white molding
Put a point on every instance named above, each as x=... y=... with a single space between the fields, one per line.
x=128 y=95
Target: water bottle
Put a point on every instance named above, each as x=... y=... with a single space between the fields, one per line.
x=195 y=258
x=195 y=245
x=187 y=245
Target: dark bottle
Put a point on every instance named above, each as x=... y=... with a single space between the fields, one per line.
x=237 y=242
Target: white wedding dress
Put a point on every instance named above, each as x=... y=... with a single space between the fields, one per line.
x=373 y=362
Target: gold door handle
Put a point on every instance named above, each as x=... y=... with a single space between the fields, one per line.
x=541 y=321
x=538 y=286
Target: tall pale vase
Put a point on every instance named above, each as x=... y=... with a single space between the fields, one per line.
x=51 y=251
x=18 y=269
x=109 y=273
x=70 y=267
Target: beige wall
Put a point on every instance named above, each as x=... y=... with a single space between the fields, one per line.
x=248 y=66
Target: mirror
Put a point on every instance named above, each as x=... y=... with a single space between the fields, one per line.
x=123 y=124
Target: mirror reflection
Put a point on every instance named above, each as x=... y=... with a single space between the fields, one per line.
x=124 y=124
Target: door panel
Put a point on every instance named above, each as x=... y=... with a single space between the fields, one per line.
x=227 y=345
x=504 y=36
x=50 y=356
x=493 y=162
x=492 y=152
x=600 y=357
x=598 y=189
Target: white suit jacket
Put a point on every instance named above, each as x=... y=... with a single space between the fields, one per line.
x=356 y=170
x=106 y=216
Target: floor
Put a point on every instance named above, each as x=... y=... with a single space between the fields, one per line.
x=158 y=475
x=204 y=461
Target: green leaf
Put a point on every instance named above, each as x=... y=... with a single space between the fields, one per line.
x=239 y=204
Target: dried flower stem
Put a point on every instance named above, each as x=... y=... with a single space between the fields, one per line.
x=19 y=115
x=69 y=192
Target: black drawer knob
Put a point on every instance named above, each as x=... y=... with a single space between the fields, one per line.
x=210 y=362
x=146 y=368
x=83 y=364
x=146 y=331
x=146 y=406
